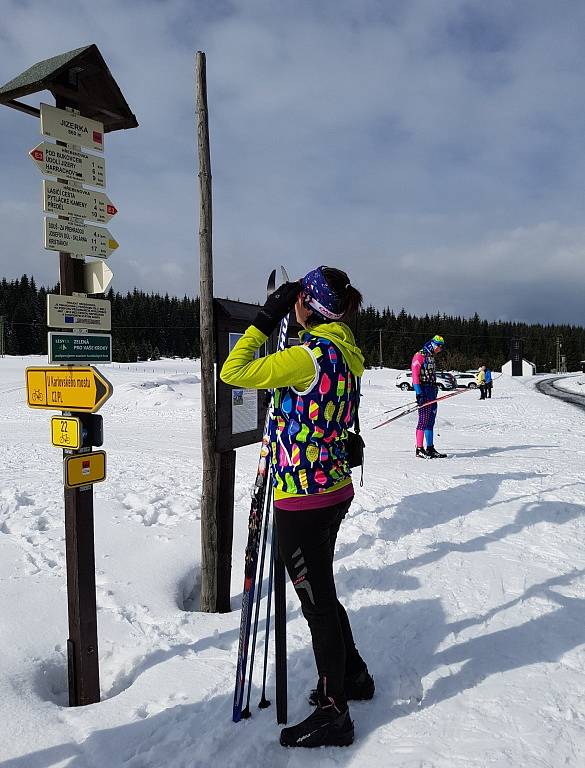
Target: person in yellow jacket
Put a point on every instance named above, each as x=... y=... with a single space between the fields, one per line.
x=480 y=381
x=316 y=389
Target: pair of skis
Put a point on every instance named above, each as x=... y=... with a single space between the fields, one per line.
x=414 y=406
x=258 y=522
x=407 y=408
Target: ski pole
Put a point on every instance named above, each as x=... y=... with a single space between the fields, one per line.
x=246 y=711
x=398 y=407
x=280 y=634
x=264 y=702
x=413 y=408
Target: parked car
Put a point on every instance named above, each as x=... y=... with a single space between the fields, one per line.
x=444 y=380
x=466 y=380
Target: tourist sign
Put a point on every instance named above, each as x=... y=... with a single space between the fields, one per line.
x=78 y=239
x=66 y=200
x=78 y=312
x=80 y=347
x=96 y=277
x=66 y=432
x=84 y=469
x=67 y=163
x=72 y=388
x=71 y=128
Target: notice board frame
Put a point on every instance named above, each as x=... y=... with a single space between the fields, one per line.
x=235 y=317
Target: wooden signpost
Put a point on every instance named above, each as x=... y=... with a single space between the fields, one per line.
x=89 y=104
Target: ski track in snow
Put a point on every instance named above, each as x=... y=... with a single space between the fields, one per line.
x=464 y=580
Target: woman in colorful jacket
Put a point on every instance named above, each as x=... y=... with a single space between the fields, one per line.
x=315 y=392
x=424 y=381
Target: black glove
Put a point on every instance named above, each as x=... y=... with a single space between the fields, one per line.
x=277 y=306
x=420 y=399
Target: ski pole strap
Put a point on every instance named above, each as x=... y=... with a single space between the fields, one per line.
x=358 y=395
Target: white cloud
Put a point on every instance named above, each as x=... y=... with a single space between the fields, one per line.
x=427 y=147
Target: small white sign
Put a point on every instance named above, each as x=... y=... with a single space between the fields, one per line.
x=96 y=277
x=67 y=163
x=78 y=239
x=78 y=312
x=65 y=200
x=244 y=401
x=73 y=129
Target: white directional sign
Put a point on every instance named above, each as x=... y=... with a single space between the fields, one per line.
x=78 y=239
x=66 y=163
x=78 y=312
x=74 y=201
x=96 y=276
x=73 y=129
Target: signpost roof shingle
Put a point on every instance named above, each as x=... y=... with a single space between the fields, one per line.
x=82 y=78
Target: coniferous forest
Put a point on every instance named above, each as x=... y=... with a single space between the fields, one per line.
x=147 y=326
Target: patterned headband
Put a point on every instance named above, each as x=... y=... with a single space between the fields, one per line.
x=319 y=297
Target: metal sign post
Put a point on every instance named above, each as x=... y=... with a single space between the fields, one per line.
x=89 y=103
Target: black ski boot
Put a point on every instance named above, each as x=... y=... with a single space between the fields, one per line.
x=329 y=725
x=358 y=687
x=432 y=453
x=422 y=454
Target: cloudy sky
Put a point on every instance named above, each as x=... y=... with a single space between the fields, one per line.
x=435 y=150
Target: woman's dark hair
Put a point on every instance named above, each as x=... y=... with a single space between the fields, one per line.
x=350 y=299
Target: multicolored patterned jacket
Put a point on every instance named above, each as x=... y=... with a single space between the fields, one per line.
x=315 y=392
x=308 y=430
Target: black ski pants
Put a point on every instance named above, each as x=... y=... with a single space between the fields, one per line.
x=307 y=542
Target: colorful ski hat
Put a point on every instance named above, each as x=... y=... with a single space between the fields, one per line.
x=319 y=297
x=434 y=343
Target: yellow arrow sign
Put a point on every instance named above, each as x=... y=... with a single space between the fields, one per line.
x=84 y=468
x=71 y=388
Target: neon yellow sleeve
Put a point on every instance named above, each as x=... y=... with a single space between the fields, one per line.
x=293 y=367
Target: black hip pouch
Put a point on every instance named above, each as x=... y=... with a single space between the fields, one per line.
x=355 y=449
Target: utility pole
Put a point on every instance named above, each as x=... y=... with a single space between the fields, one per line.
x=380 y=343
x=1 y=335
x=559 y=347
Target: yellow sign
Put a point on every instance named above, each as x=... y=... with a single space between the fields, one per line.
x=84 y=468
x=70 y=388
x=66 y=431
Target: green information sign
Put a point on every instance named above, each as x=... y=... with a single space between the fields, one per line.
x=80 y=348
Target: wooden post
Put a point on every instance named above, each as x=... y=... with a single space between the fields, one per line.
x=225 y=528
x=209 y=489
x=82 y=645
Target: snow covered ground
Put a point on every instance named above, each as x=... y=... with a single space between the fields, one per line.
x=464 y=580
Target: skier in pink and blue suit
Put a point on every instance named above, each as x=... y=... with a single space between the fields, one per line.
x=424 y=381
